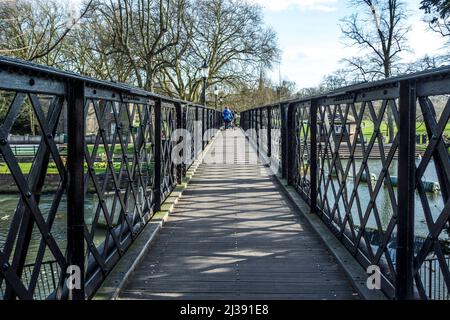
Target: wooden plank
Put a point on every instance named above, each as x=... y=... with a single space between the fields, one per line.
x=233 y=235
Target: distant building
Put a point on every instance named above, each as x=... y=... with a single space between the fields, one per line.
x=343 y=132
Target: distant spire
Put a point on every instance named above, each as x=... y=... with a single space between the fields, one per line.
x=261 y=80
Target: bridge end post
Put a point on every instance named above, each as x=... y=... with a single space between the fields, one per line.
x=406 y=192
x=203 y=128
x=179 y=116
x=75 y=184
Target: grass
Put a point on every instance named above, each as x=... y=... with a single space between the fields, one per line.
x=99 y=167
x=368 y=127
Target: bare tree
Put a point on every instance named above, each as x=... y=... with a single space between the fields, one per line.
x=230 y=36
x=437 y=15
x=35 y=30
x=380 y=32
x=138 y=32
x=261 y=92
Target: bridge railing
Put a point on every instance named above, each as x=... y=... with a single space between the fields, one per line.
x=101 y=168
x=372 y=160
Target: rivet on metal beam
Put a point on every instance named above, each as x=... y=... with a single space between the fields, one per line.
x=5 y=267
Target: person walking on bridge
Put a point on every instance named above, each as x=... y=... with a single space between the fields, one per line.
x=227 y=116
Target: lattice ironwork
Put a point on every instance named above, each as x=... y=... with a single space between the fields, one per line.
x=302 y=143
x=28 y=223
x=119 y=160
x=355 y=169
x=275 y=127
x=168 y=173
x=263 y=119
x=38 y=239
x=434 y=210
x=356 y=160
x=190 y=127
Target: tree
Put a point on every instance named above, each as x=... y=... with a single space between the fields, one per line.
x=34 y=30
x=380 y=32
x=340 y=78
x=138 y=33
x=258 y=93
x=437 y=15
x=230 y=36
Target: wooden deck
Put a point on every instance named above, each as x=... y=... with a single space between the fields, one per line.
x=234 y=235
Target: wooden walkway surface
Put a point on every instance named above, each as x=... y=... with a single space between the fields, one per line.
x=234 y=235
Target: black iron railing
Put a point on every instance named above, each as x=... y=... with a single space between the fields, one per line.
x=81 y=201
x=354 y=156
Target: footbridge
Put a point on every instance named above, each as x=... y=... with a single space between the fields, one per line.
x=126 y=194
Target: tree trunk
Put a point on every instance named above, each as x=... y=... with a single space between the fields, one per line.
x=389 y=115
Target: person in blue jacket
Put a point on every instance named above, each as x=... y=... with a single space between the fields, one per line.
x=227 y=116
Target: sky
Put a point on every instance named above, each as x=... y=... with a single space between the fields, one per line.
x=311 y=42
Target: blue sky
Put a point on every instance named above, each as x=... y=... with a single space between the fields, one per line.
x=310 y=38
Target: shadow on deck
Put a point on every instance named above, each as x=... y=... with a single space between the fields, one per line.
x=234 y=235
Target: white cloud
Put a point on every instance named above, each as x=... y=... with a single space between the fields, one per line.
x=307 y=64
x=423 y=41
x=311 y=51
x=280 y=5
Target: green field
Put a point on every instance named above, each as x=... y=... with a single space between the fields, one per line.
x=368 y=127
x=99 y=167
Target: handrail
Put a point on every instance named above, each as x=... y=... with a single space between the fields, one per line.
x=421 y=76
x=37 y=69
x=116 y=171
x=328 y=144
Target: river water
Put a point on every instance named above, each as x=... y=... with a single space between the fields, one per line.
x=8 y=205
x=383 y=200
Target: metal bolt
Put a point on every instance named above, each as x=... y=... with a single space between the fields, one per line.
x=28 y=194
x=94 y=92
x=5 y=267
x=49 y=136
x=3 y=141
x=31 y=82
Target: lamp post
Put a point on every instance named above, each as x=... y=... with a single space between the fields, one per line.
x=221 y=103
x=204 y=72
x=216 y=93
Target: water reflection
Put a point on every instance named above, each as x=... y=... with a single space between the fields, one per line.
x=383 y=199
